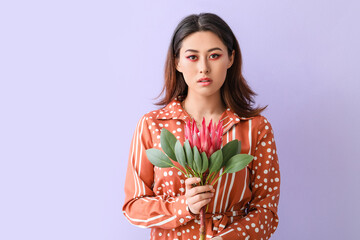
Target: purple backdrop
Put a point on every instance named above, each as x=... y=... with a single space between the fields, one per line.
x=77 y=75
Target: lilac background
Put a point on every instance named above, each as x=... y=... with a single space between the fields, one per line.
x=77 y=75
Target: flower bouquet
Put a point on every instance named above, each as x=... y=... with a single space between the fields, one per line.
x=200 y=156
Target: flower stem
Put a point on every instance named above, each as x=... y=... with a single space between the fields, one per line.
x=192 y=172
x=202 y=223
x=210 y=176
x=181 y=171
x=218 y=178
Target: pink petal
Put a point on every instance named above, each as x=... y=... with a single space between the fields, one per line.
x=197 y=142
x=210 y=125
x=187 y=130
x=195 y=128
x=213 y=133
x=211 y=151
x=202 y=135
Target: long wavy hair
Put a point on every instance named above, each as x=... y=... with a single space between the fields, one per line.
x=235 y=92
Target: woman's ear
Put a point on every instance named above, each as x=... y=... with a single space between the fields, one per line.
x=231 y=58
x=177 y=65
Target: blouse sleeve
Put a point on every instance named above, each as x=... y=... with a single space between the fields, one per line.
x=142 y=207
x=262 y=219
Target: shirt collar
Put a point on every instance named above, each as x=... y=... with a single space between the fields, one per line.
x=174 y=110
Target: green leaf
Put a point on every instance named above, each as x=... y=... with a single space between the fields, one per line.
x=229 y=150
x=205 y=162
x=237 y=163
x=167 y=141
x=189 y=154
x=216 y=161
x=158 y=158
x=197 y=160
x=180 y=154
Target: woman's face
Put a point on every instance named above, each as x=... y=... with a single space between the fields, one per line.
x=203 y=61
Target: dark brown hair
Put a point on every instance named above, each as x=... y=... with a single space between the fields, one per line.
x=235 y=92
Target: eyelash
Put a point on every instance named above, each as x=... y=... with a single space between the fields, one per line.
x=218 y=56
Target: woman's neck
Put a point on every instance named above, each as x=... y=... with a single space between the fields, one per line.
x=209 y=107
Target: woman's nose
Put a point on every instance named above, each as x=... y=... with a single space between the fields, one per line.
x=204 y=66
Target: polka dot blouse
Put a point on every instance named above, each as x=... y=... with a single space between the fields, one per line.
x=245 y=203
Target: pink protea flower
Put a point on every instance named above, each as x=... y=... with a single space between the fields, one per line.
x=208 y=139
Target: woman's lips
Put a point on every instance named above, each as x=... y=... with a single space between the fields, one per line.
x=204 y=81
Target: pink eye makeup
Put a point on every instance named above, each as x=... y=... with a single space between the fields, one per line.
x=213 y=56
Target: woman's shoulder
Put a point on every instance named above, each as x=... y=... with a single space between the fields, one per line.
x=153 y=114
x=260 y=119
x=171 y=110
x=258 y=123
x=262 y=127
x=256 y=120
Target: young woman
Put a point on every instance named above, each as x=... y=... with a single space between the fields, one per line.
x=203 y=79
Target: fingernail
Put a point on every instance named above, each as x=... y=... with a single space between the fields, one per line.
x=198 y=179
x=211 y=187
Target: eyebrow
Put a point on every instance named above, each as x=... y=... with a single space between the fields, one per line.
x=212 y=49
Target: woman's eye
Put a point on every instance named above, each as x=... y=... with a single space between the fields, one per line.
x=214 y=56
x=192 y=57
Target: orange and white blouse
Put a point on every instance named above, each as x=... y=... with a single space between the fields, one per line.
x=245 y=203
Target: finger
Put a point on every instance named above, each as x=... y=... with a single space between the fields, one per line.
x=200 y=197
x=190 y=181
x=195 y=208
x=200 y=189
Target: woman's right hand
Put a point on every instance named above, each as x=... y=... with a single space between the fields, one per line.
x=197 y=196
